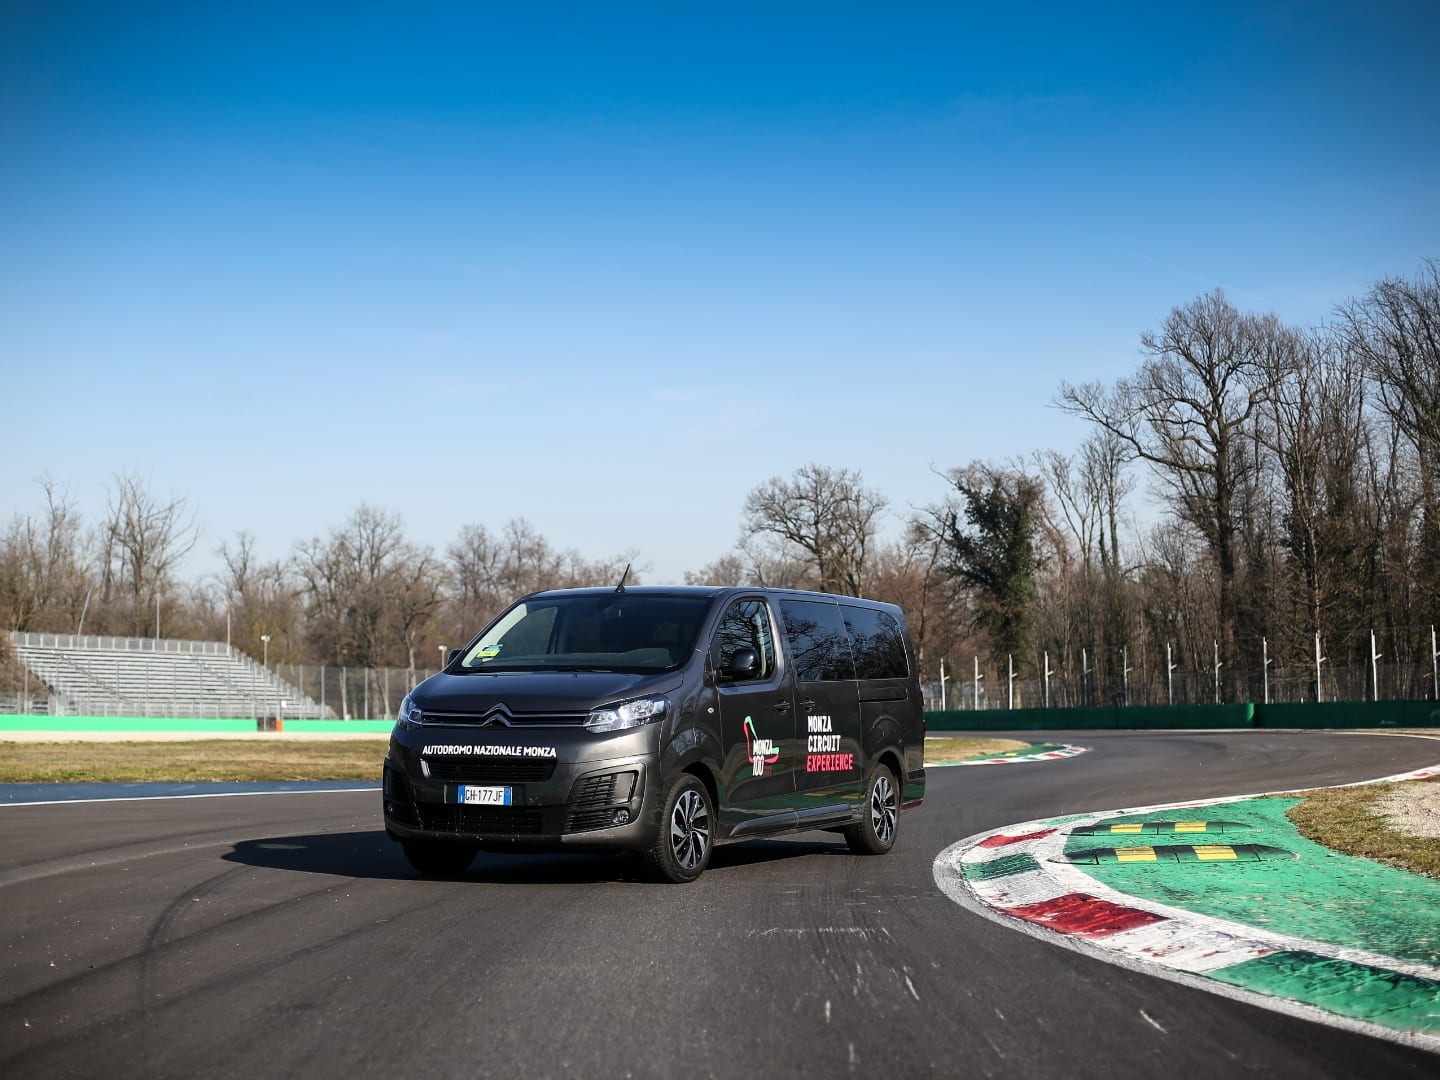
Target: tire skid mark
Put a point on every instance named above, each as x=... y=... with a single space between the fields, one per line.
x=228 y=979
x=158 y=937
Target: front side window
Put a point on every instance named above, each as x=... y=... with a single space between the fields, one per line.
x=591 y=632
x=745 y=625
x=819 y=643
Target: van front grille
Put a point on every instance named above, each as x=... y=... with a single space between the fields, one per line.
x=487 y=820
x=491 y=770
x=494 y=721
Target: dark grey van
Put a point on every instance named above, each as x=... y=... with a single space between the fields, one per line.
x=663 y=721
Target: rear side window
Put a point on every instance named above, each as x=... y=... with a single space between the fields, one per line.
x=819 y=644
x=878 y=642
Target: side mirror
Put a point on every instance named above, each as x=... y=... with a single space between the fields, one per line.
x=743 y=664
x=451 y=658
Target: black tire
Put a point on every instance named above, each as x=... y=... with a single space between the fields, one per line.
x=874 y=834
x=681 y=851
x=438 y=858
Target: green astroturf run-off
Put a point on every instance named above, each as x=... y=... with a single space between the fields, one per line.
x=1321 y=895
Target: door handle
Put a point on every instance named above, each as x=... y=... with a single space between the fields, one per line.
x=782 y=706
x=807 y=704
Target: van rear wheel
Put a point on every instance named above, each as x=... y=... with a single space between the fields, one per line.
x=438 y=858
x=681 y=852
x=874 y=834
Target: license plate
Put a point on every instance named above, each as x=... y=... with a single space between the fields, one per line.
x=472 y=795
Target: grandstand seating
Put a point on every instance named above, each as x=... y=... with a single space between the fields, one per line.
x=109 y=676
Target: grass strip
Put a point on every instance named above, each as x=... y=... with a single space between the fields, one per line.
x=1349 y=821
x=203 y=759
x=939 y=750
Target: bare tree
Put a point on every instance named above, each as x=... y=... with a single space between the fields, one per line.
x=1395 y=332
x=910 y=573
x=261 y=598
x=484 y=571
x=1316 y=428
x=145 y=540
x=43 y=579
x=348 y=580
x=474 y=576
x=415 y=597
x=728 y=569
x=827 y=516
x=1090 y=491
x=1189 y=412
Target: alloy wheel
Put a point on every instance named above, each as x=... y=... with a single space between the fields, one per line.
x=690 y=829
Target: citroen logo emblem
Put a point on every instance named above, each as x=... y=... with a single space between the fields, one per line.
x=498 y=716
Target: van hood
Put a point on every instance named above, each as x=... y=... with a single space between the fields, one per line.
x=536 y=693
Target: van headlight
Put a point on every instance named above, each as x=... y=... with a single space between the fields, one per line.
x=628 y=714
x=409 y=714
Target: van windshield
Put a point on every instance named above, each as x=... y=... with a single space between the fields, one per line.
x=625 y=632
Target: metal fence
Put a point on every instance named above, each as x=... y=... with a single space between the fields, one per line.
x=353 y=693
x=337 y=693
x=1394 y=664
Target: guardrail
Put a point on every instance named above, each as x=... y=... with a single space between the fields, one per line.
x=121 y=644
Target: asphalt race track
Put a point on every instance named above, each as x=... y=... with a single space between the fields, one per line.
x=285 y=935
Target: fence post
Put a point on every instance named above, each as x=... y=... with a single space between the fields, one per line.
x=978 y=677
x=1169 y=677
x=1374 y=670
x=1216 y=643
x=1125 y=674
x=1319 y=687
x=1047 y=678
x=1265 y=668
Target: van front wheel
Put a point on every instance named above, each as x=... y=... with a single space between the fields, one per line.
x=874 y=834
x=682 y=850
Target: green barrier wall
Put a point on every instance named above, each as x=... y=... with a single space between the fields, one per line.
x=1103 y=718
x=1329 y=714
x=1349 y=714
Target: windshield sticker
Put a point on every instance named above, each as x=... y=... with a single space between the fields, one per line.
x=486 y=750
x=822 y=755
x=762 y=752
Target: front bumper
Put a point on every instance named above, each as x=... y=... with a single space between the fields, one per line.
x=599 y=802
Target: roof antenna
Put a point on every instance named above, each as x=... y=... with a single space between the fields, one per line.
x=621 y=587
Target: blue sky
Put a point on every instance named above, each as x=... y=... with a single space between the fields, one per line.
x=608 y=267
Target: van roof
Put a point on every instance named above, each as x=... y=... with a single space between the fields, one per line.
x=716 y=590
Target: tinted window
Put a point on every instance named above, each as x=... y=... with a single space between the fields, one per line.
x=745 y=625
x=819 y=644
x=591 y=631
x=878 y=643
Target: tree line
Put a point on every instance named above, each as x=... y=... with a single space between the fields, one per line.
x=1290 y=498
